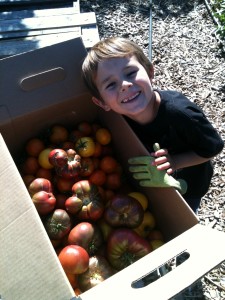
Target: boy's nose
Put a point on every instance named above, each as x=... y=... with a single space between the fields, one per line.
x=125 y=85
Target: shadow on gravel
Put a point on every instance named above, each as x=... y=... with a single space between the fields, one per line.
x=162 y=8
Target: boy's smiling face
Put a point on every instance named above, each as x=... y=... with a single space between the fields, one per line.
x=124 y=86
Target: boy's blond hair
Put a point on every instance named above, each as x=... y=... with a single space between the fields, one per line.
x=110 y=48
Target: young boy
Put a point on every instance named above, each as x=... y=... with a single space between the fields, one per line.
x=119 y=76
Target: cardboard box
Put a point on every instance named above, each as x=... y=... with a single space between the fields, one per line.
x=44 y=87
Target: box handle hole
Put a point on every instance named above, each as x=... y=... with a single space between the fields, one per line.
x=161 y=271
x=42 y=79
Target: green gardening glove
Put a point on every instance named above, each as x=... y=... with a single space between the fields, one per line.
x=149 y=176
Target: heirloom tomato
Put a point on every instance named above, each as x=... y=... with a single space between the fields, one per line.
x=74 y=259
x=44 y=202
x=57 y=224
x=99 y=270
x=67 y=163
x=124 y=247
x=40 y=184
x=92 y=202
x=123 y=210
x=86 y=235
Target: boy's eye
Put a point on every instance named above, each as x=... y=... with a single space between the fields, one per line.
x=110 y=85
x=132 y=73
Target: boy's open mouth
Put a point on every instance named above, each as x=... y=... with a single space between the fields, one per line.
x=131 y=98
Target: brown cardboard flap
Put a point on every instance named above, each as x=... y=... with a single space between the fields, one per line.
x=199 y=241
x=28 y=264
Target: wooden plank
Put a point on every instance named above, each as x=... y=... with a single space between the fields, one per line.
x=29 y=24
x=31 y=13
x=33 y=33
x=15 y=46
x=90 y=35
x=30 y=2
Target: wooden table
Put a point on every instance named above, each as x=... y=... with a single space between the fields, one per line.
x=27 y=25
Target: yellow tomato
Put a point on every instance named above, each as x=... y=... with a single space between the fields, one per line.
x=156 y=244
x=85 y=146
x=147 y=224
x=141 y=198
x=43 y=158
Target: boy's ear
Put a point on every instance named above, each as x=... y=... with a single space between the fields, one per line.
x=101 y=104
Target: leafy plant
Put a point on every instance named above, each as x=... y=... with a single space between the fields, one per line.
x=218 y=8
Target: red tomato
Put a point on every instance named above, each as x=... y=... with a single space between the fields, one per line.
x=124 y=247
x=27 y=179
x=74 y=259
x=58 y=134
x=30 y=165
x=64 y=185
x=85 y=128
x=85 y=146
x=57 y=224
x=92 y=202
x=86 y=235
x=34 y=146
x=108 y=164
x=113 y=181
x=98 y=177
x=44 y=173
x=98 y=150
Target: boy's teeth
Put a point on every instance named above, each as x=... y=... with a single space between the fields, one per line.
x=130 y=98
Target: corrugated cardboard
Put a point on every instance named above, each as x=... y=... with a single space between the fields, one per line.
x=44 y=87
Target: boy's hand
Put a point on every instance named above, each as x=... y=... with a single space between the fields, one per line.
x=149 y=176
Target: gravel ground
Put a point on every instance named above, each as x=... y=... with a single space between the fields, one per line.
x=187 y=57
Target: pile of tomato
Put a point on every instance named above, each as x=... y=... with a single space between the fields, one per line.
x=97 y=224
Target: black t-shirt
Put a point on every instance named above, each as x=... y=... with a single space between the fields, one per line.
x=181 y=126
